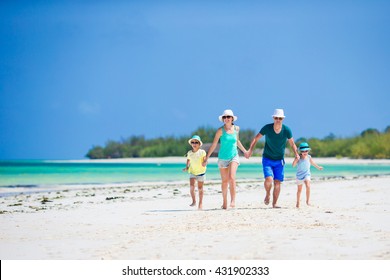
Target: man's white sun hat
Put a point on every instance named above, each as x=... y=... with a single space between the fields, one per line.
x=278 y=113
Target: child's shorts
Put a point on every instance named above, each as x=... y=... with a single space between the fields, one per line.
x=199 y=178
x=273 y=168
x=300 y=182
x=225 y=163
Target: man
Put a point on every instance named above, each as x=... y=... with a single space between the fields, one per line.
x=277 y=134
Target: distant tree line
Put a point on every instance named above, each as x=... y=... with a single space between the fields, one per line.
x=138 y=146
x=370 y=144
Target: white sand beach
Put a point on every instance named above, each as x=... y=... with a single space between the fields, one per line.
x=349 y=220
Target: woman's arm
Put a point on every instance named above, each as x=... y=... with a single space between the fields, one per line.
x=213 y=146
x=239 y=144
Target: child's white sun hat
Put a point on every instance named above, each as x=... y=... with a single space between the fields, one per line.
x=197 y=138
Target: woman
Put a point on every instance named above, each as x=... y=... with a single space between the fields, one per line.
x=228 y=159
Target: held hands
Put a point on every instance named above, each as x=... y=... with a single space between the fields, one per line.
x=248 y=154
x=204 y=163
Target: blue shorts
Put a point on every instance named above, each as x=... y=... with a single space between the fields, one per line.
x=273 y=168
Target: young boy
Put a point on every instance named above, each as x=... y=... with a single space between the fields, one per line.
x=194 y=166
x=303 y=171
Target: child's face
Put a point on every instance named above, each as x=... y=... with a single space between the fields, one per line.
x=195 y=145
x=304 y=153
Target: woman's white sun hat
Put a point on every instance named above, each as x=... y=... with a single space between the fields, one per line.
x=227 y=112
x=278 y=113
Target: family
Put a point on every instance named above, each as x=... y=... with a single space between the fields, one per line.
x=276 y=137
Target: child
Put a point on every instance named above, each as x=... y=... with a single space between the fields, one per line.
x=194 y=166
x=303 y=171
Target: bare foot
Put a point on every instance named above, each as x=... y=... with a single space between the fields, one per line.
x=200 y=207
x=266 y=199
x=297 y=205
x=224 y=207
x=193 y=204
x=276 y=206
x=232 y=204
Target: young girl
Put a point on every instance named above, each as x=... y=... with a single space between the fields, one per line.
x=303 y=171
x=194 y=166
x=228 y=159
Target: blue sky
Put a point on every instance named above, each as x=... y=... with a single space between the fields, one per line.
x=74 y=74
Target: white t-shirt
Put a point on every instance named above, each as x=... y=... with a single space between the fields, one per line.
x=303 y=168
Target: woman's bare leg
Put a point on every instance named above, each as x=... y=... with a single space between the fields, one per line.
x=224 y=185
x=232 y=183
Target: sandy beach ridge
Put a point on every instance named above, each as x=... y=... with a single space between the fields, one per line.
x=349 y=220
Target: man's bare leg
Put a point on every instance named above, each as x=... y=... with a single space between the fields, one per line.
x=276 y=194
x=267 y=186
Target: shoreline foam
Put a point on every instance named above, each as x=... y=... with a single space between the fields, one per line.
x=243 y=160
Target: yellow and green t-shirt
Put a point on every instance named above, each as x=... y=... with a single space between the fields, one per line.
x=196 y=160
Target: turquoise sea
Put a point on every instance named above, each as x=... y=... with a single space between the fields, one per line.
x=21 y=176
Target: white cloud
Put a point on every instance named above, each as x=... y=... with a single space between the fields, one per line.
x=86 y=108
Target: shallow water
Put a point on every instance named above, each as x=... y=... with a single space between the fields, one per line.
x=22 y=175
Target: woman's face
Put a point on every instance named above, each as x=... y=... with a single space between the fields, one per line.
x=227 y=119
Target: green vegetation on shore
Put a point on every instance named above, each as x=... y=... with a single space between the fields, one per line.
x=370 y=144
